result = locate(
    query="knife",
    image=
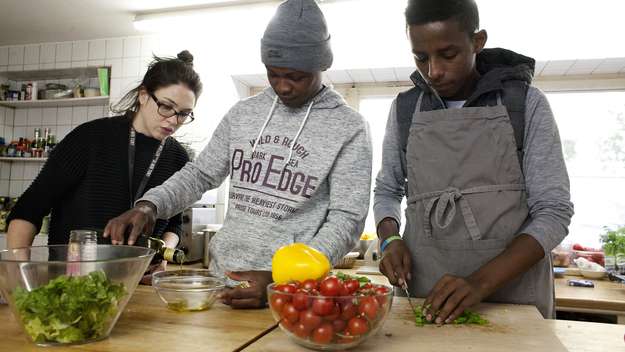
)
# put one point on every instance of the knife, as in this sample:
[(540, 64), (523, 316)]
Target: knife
[(405, 287)]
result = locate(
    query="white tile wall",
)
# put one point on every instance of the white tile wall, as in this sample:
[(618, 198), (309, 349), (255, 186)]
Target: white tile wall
[(79, 115), (80, 51), (132, 47), (16, 55), (48, 53), (35, 117), (31, 55), (64, 116), (4, 56), (128, 58), (63, 52), (114, 48), (97, 49)]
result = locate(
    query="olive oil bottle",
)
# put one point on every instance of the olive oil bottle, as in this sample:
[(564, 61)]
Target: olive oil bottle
[(172, 255)]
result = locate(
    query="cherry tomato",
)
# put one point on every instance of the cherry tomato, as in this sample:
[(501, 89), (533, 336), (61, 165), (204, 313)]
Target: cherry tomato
[(335, 314), (380, 292), (300, 330), (277, 302), (330, 286), (290, 313), (286, 324), (323, 306), (339, 325), (351, 285), (309, 285), (309, 319), (300, 300), (349, 311), (366, 286), (288, 288), (369, 307), (357, 326), (323, 334)]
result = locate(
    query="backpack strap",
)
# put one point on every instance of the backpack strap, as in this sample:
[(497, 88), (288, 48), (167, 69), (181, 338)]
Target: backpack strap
[(514, 97)]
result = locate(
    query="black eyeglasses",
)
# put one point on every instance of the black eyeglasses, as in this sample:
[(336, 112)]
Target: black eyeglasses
[(167, 111)]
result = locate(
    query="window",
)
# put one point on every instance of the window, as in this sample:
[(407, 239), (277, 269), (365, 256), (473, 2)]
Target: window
[(375, 110), (592, 130)]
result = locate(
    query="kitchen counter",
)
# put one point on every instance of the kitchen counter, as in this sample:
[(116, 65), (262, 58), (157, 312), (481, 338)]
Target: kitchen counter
[(605, 298), (513, 328), (146, 325)]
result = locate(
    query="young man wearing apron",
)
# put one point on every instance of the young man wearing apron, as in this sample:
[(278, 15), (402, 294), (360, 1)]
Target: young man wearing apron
[(476, 152)]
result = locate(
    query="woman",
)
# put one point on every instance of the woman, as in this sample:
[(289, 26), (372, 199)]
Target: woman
[(102, 166)]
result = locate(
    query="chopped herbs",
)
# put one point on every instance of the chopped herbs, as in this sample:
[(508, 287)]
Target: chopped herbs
[(467, 317), (69, 308)]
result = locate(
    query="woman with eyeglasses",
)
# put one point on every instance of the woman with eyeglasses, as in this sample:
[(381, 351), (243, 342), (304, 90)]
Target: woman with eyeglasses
[(103, 166)]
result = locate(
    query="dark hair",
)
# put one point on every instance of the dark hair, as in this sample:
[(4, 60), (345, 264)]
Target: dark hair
[(162, 72), (420, 12)]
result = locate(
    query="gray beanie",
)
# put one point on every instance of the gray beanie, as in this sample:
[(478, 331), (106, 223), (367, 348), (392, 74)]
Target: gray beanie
[(297, 38)]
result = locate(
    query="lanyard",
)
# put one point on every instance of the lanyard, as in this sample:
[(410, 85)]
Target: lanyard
[(131, 166)]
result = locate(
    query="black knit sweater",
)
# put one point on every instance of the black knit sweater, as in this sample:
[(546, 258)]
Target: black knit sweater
[(85, 181)]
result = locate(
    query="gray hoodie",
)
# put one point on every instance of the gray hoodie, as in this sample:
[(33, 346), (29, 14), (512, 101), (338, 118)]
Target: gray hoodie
[(320, 197)]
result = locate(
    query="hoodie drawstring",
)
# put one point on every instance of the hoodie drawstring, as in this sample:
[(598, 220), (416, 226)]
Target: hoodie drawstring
[(301, 127), (273, 107)]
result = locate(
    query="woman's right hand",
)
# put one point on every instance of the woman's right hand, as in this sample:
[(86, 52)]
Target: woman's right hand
[(139, 220), (395, 263)]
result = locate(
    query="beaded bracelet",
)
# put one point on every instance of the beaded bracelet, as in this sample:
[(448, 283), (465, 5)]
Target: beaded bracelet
[(387, 241)]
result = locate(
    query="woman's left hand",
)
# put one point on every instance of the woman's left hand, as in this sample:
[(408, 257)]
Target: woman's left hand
[(450, 297), (152, 269), (253, 295)]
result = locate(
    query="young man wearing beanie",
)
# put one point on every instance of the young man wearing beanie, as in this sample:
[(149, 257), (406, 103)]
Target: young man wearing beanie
[(298, 158), (475, 150)]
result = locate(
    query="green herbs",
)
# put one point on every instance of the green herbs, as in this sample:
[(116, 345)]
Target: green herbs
[(467, 317), (69, 308), (362, 280)]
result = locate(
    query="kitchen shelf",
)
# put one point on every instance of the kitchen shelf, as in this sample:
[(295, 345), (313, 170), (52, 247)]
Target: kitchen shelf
[(52, 74), (22, 159), (55, 102)]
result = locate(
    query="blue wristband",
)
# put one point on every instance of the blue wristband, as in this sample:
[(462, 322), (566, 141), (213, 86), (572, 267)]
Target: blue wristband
[(387, 241)]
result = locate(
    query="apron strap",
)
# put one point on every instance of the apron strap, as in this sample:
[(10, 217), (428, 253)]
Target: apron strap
[(445, 202)]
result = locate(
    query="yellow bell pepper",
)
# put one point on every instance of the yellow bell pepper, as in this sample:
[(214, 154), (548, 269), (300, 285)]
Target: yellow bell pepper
[(298, 262)]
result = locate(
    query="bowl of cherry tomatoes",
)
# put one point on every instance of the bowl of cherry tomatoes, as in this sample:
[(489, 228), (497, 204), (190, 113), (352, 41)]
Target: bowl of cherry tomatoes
[(333, 313)]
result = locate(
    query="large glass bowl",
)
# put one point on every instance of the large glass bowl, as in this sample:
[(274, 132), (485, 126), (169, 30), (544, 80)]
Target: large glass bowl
[(187, 290), (60, 299), (329, 323)]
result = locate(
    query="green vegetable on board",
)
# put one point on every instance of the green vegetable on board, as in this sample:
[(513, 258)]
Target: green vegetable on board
[(467, 317), (69, 308)]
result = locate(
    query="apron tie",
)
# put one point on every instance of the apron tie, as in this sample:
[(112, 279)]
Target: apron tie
[(445, 211)]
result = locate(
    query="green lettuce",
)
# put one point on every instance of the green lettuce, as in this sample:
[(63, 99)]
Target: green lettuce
[(69, 308)]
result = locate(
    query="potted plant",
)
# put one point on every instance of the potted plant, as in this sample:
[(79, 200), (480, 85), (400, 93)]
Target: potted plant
[(614, 244)]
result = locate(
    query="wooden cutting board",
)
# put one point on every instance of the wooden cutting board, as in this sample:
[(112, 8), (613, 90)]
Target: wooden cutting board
[(512, 328)]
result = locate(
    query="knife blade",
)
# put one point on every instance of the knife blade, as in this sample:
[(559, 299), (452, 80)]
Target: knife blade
[(405, 287)]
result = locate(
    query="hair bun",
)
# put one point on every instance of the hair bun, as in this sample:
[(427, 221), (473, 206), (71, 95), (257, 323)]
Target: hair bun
[(186, 57)]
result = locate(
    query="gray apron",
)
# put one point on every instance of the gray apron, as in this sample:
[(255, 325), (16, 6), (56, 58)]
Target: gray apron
[(467, 201)]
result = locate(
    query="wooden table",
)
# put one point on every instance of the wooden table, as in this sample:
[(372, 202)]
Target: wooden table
[(605, 298), (513, 327), (147, 325)]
